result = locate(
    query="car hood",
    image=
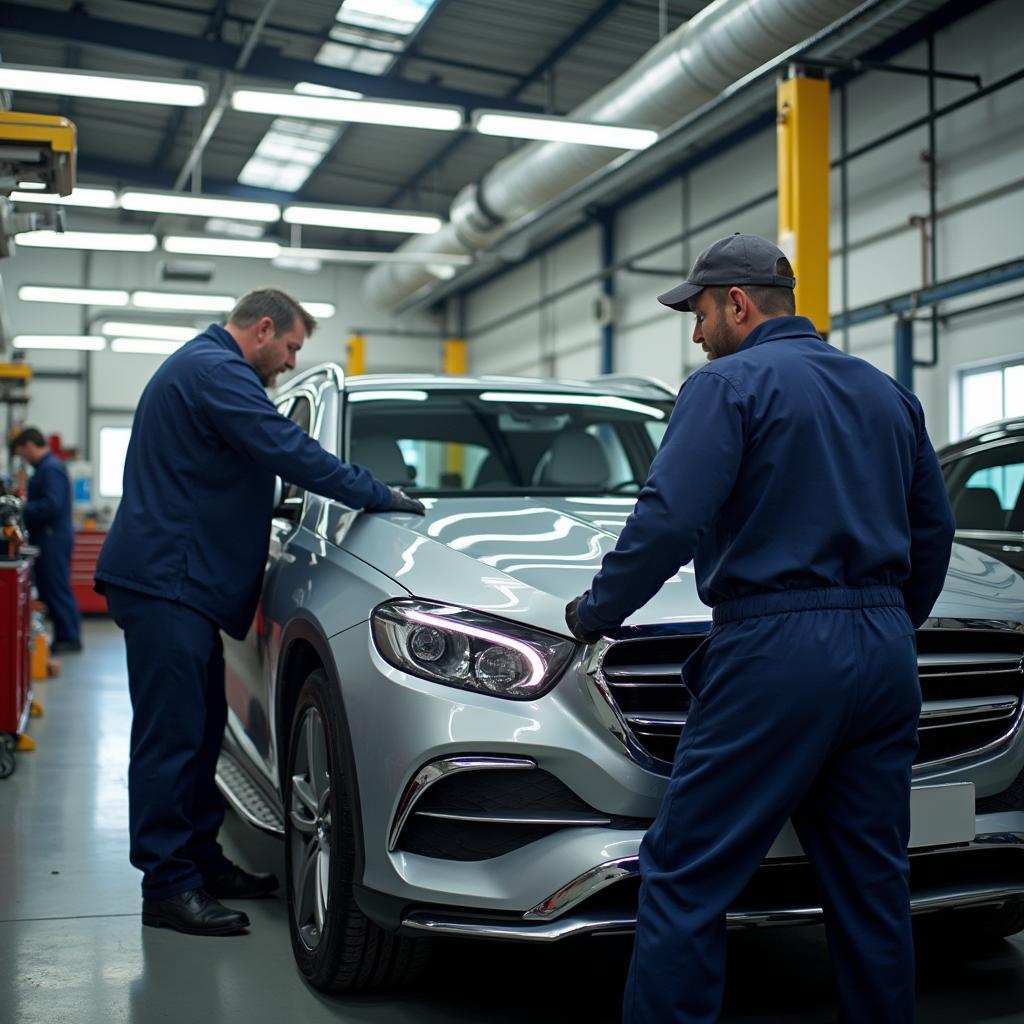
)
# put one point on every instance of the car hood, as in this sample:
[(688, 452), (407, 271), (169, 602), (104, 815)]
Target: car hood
[(525, 558)]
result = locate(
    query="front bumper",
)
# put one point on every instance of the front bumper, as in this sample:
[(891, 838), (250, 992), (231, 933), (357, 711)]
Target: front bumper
[(987, 872)]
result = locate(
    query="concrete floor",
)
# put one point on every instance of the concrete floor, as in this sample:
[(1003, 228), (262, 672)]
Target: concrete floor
[(72, 948)]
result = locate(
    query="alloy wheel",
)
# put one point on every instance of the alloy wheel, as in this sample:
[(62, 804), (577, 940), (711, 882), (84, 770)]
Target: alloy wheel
[(310, 816)]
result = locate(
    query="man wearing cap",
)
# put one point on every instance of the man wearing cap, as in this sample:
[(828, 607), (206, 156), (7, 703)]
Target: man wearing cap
[(802, 484)]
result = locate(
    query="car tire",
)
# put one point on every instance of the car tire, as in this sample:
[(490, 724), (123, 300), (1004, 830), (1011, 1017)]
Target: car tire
[(336, 946)]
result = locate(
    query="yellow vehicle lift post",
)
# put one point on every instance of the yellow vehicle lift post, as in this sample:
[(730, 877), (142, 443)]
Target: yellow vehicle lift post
[(455, 363), (355, 354), (802, 102)]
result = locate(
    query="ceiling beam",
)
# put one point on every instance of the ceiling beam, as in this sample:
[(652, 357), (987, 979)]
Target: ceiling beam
[(266, 61)]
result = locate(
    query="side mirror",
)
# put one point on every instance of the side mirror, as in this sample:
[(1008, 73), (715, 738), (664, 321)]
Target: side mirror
[(286, 506)]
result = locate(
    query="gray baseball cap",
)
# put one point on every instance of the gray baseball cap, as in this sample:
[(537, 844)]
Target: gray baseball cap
[(736, 260)]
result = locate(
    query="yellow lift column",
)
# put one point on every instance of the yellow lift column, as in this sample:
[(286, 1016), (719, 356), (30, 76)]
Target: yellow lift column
[(355, 355), (455, 363), (802, 106)]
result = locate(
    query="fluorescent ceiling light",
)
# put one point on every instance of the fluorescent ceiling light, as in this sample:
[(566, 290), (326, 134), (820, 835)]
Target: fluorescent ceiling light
[(321, 310), (166, 332), (105, 241), (199, 206), (126, 88), (100, 198), (203, 246), (362, 219), (558, 129), (598, 401), (314, 108), (234, 228), (33, 186), (183, 300), (300, 262), (74, 296), (145, 346), (60, 341)]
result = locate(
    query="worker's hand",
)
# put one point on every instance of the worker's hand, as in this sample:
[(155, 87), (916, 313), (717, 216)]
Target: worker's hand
[(572, 620), (402, 502)]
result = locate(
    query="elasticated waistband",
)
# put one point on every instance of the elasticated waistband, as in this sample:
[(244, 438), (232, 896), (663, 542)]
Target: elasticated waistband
[(819, 599)]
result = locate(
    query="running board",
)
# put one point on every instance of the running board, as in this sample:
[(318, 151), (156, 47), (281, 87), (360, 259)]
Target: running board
[(245, 797)]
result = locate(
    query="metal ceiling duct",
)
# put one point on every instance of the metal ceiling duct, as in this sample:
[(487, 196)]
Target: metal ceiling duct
[(689, 67)]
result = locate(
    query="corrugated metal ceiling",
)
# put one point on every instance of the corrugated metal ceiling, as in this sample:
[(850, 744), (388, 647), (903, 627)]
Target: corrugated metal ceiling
[(500, 49)]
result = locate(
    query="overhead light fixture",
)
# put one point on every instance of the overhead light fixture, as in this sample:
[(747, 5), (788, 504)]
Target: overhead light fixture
[(315, 89), (164, 332), (183, 300), (372, 256), (73, 296), (172, 92), (278, 102), (100, 198), (203, 246), (33, 186), (321, 310), (300, 262), (66, 342), (559, 129), (145, 346), (362, 219), (234, 228), (101, 241), (200, 206)]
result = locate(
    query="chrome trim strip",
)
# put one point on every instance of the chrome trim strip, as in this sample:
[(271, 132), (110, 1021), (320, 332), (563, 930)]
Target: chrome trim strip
[(966, 659), (583, 887), (243, 811), (1001, 706), (489, 819), (537, 929), (665, 718), (433, 772)]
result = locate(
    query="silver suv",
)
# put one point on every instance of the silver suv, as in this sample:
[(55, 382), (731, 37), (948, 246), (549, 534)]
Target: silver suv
[(410, 714)]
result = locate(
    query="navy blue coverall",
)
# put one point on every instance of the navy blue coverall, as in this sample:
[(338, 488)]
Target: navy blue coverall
[(184, 559), (48, 520), (802, 483)]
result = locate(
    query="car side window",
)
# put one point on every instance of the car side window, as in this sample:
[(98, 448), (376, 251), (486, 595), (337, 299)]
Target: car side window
[(987, 491), (302, 414)]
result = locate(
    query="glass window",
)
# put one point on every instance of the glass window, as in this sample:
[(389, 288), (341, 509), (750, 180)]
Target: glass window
[(113, 449), (469, 442), (301, 413), (990, 394), (985, 489)]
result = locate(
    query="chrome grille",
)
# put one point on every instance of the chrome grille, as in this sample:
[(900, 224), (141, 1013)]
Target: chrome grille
[(972, 687)]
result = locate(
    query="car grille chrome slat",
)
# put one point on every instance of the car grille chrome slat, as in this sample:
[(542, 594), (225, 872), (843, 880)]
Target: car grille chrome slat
[(971, 680)]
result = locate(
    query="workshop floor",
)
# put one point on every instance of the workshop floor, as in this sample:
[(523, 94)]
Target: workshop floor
[(72, 948)]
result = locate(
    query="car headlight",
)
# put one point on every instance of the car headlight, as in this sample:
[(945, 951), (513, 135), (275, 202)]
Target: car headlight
[(468, 649)]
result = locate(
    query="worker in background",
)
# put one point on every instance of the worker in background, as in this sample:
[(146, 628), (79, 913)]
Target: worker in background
[(184, 559), (802, 484), (48, 521)]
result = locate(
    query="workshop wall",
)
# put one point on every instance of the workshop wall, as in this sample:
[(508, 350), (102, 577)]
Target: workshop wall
[(980, 197), (102, 388)]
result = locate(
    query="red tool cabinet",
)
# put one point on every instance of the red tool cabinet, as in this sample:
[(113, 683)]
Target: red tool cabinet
[(15, 631), (83, 567)]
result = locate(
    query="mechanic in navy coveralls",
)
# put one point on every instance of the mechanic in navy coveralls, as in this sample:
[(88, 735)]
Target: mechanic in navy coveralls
[(48, 520), (185, 559), (802, 484)]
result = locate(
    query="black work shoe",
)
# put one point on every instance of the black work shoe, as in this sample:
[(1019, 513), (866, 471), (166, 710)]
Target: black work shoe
[(65, 647), (194, 912), (239, 884)]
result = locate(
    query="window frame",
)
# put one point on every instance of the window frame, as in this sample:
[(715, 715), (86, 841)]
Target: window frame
[(964, 373)]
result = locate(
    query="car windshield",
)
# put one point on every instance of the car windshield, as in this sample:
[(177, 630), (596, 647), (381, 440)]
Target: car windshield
[(493, 442)]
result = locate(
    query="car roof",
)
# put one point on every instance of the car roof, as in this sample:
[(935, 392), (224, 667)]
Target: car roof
[(999, 430), (612, 384)]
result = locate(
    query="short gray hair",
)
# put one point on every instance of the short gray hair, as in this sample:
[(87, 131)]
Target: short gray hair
[(278, 305)]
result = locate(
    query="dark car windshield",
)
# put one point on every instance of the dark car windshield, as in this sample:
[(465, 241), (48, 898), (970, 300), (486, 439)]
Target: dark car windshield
[(489, 442)]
